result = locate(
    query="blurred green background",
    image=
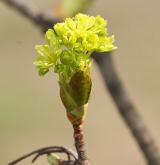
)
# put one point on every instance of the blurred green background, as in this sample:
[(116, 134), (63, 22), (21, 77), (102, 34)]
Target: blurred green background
[(31, 113)]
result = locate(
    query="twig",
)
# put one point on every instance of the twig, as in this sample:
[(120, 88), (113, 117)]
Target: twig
[(44, 21), (113, 83), (47, 151), (80, 146)]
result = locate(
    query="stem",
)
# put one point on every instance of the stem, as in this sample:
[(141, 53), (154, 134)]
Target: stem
[(80, 147)]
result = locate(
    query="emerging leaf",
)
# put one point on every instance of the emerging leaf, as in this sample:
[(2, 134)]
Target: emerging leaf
[(53, 159)]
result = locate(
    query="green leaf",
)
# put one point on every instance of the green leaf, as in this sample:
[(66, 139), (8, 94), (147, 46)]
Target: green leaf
[(80, 87)]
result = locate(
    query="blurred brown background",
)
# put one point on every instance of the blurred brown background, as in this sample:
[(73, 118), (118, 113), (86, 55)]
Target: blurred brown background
[(31, 113)]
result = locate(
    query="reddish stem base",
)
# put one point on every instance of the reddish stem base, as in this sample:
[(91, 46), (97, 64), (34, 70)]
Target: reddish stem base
[(80, 147)]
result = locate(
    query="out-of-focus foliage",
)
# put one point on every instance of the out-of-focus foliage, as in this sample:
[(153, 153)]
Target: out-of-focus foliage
[(68, 8), (71, 7)]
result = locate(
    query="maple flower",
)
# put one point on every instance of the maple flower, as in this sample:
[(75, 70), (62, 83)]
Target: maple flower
[(67, 51)]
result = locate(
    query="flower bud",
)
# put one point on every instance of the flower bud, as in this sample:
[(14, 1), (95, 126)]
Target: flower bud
[(75, 95)]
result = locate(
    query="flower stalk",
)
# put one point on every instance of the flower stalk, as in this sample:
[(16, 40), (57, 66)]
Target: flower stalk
[(80, 146)]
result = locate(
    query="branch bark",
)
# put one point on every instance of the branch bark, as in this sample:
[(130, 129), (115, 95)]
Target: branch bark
[(47, 151), (124, 104), (42, 20), (127, 109)]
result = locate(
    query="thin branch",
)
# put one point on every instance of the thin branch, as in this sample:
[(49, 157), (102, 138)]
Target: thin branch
[(127, 109), (44, 21), (113, 83), (47, 151)]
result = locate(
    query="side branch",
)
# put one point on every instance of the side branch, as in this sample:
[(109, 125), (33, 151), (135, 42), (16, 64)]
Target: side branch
[(44, 21), (127, 109), (48, 151)]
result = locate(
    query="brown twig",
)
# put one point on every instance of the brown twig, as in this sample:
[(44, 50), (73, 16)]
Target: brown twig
[(47, 151), (44, 21), (80, 146), (124, 104)]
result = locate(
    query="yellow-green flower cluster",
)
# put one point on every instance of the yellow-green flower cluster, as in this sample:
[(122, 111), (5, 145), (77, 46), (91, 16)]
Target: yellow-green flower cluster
[(70, 44)]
